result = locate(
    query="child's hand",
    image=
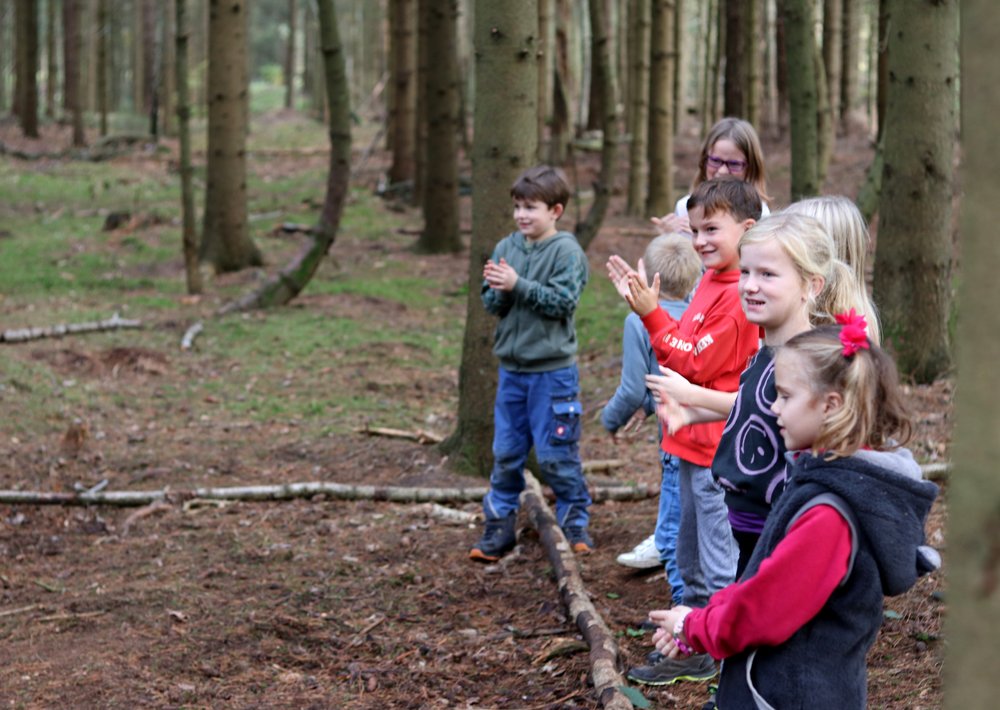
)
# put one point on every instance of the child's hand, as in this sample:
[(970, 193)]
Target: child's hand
[(674, 384), (642, 297), (500, 277), (667, 619), (671, 414), (619, 272), (671, 223)]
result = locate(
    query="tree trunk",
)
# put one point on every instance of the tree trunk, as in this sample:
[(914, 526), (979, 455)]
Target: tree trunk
[(71, 68), (754, 86), (293, 11), (137, 57), (102, 64), (781, 60), (226, 239), (640, 19), (293, 278), (52, 64), (736, 30), (913, 254), (441, 216), (92, 33), (833, 17), (404, 115), (168, 83), (189, 233), (561, 131), (505, 133), (420, 124), (661, 104), (680, 63), (148, 54), (604, 71), (973, 495), (717, 61), (850, 47), (871, 190), (307, 50), (802, 97), (27, 86), (824, 122), (4, 44), (546, 67), (883, 62)]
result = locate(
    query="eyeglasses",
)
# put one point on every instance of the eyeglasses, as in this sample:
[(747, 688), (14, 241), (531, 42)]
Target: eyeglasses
[(735, 166)]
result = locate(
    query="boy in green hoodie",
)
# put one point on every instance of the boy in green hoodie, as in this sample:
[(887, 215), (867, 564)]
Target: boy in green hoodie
[(533, 282)]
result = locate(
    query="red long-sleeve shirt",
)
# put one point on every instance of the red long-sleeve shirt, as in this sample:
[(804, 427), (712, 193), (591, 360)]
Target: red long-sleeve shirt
[(788, 590), (710, 346)]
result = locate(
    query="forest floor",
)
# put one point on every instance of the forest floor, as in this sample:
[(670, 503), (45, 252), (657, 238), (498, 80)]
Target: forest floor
[(310, 603)]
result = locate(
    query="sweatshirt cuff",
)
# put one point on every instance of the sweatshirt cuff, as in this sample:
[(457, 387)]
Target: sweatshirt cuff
[(656, 321), (522, 287)]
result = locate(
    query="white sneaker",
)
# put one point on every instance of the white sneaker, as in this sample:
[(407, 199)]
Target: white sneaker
[(644, 556)]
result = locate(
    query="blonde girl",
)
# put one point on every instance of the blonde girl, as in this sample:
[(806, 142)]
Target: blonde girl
[(849, 528)]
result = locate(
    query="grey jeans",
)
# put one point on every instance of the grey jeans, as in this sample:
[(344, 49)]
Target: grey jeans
[(706, 550)]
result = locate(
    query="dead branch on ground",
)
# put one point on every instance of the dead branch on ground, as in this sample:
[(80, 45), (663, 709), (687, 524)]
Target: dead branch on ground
[(57, 331), (419, 435), (190, 334)]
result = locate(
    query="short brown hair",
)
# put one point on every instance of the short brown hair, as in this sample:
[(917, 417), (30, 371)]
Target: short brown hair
[(673, 257), (543, 183), (727, 194)]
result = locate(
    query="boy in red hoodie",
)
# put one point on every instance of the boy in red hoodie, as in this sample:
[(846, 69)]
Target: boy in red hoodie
[(711, 345)]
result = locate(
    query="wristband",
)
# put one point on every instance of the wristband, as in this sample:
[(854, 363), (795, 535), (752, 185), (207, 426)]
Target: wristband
[(678, 630)]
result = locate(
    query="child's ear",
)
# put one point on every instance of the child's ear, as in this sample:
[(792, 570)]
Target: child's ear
[(816, 284), (832, 402), (747, 223), (557, 210)]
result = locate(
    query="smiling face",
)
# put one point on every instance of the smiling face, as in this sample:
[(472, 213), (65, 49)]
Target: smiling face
[(800, 411), (535, 219), (715, 237), (725, 150), (772, 291)]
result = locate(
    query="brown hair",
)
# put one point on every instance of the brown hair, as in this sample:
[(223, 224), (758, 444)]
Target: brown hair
[(673, 257), (745, 138), (542, 183), (729, 194), (874, 413)]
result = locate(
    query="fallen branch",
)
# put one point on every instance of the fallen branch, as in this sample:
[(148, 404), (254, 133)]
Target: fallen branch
[(605, 660), (20, 610), (419, 435), (155, 507), (603, 464), (936, 471), (66, 617), (188, 340), (57, 331)]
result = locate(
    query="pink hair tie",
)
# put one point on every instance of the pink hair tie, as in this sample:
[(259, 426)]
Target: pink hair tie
[(854, 334)]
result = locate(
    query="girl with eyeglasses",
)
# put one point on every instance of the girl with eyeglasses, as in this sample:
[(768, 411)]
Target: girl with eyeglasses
[(732, 147)]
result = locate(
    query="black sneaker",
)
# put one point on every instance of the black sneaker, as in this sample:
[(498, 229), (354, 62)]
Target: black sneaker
[(578, 538), (698, 667), (498, 538), (654, 657)]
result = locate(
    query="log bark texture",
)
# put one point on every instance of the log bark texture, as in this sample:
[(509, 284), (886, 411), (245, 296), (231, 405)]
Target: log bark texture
[(57, 331)]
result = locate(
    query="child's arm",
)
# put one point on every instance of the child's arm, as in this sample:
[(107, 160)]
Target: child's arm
[(713, 354), (790, 588), (559, 295), (496, 300), (631, 393), (691, 395)]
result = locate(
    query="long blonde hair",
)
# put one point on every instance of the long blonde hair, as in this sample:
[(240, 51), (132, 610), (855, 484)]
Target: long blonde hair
[(743, 135), (842, 219), (813, 253)]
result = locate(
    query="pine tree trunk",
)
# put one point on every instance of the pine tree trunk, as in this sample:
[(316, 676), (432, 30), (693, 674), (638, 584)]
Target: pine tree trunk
[(293, 12), (680, 62), (71, 68), (4, 45), (824, 122), (102, 64), (137, 57), (802, 97), (561, 131), (441, 215), (781, 72), (148, 54), (420, 123), (546, 67), (914, 249), (850, 48), (973, 497), (307, 50), (883, 62), (751, 44), (833, 17), (717, 61), (27, 42), (92, 35), (168, 83), (604, 70), (403, 120), (661, 104), (226, 239), (52, 64), (736, 29), (505, 133), (640, 19), (189, 231)]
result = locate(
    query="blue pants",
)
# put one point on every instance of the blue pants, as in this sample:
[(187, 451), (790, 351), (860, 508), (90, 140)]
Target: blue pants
[(668, 521), (540, 409)]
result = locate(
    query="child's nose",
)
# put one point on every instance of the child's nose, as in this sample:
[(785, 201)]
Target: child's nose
[(723, 170)]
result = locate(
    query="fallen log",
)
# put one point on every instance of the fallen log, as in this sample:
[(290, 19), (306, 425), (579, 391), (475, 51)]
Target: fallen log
[(936, 471), (603, 464), (190, 334), (57, 331), (420, 436), (605, 659)]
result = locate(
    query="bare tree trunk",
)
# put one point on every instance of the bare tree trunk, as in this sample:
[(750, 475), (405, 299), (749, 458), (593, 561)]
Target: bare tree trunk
[(754, 89), (71, 68), (190, 234), (92, 34), (913, 254), (561, 133), (546, 67), (505, 133), (781, 74), (4, 44), (27, 42), (148, 54), (850, 47), (307, 50), (168, 83), (680, 62), (883, 62), (293, 12), (137, 57), (973, 497), (707, 87), (52, 63), (802, 97), (833, 61), (102, 64), (717, 66), (403, 120), (420, 125), (640, 19), (441, 215), (661, 123), (871, 190), (226, 239), (736, 29), (824, 122), (294, 277), (604, 70)]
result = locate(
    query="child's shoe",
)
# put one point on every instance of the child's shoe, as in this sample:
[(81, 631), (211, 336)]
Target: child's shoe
[(643, 556), (700, 666), (578, 538), (498, 538)]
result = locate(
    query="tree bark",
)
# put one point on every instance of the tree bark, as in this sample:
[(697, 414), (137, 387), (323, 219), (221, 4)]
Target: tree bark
[(802, 97), (148, 9), (680, 63), (420, 123), (717, 61), (403, 121), (27, 43), (505, 133), (661, 104), (168, 83), (92, 33), (561, 131), (781, 71), (546, 67), (293, 12), (849, 55), (913, 254), (71, 68), (137, 57), (604, 70), (4, 44), (833, 61), (226, 239), (441, 217), (871, 190), (736, 30), (52, 63), (973, 495), (641, 20), (189, 231), (824, 122), (752, 61), (293, 278), (883, 62), (102, 64)]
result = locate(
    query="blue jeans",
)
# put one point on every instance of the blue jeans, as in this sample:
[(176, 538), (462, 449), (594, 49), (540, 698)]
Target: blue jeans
[(540, 409), (668, 521)]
